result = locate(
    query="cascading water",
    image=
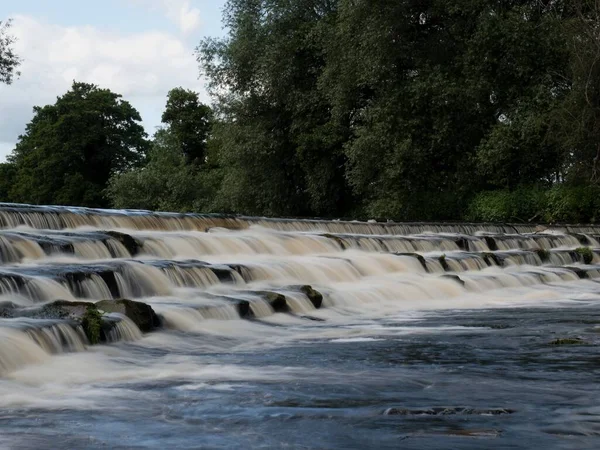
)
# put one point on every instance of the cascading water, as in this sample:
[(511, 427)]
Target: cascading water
[(228, 285)]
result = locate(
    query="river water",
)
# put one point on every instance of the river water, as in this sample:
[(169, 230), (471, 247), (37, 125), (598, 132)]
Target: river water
[(428, 335)]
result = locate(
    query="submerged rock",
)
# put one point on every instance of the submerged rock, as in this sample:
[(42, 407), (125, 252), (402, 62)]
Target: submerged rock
[(141, 314), (568, 341), (454, 277), (447, 411)]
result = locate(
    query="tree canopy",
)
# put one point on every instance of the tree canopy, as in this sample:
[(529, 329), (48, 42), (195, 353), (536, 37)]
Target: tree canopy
[(9, 61), (71, 148), (410, 110)]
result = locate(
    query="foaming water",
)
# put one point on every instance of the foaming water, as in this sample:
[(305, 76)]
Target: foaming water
[(367, 334)]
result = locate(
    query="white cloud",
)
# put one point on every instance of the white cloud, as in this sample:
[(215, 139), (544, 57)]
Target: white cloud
[(142, 67), (180, 12)]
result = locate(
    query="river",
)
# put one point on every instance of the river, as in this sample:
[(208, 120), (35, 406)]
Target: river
[(416, 336)]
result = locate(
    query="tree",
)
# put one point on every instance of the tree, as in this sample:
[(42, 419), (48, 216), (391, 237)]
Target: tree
[(71, 148), (281, 152), (167, 182), (9, 61), (189, 122)]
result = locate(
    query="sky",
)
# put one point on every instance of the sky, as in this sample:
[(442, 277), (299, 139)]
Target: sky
[(138, 48)]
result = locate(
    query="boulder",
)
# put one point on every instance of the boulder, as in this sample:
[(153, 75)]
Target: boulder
[(276, 300), (140, 313), (59, 309), (315, 297)]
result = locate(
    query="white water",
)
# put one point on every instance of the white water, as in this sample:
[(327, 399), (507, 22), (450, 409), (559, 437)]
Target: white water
[(201, 274)]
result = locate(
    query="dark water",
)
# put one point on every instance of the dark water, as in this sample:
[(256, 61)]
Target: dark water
[(428, 336), (453, 379)]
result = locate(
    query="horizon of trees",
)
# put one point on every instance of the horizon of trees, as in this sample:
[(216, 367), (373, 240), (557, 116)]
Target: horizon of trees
[(414, 110)]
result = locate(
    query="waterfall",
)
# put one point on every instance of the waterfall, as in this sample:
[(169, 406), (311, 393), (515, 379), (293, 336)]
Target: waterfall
[(195, 269)]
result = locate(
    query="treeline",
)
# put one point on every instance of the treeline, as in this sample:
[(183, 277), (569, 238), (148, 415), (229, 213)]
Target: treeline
[(410, 110)]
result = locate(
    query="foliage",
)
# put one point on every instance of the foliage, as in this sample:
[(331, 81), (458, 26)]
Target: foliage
[(9, 61), (189, 122), (166, 182), (71, 148), (559, 204), (7, 175), (399, 110), (586, 254), (92, 324)]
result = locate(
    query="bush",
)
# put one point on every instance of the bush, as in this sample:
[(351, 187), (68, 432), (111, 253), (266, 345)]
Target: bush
[(562, 204)]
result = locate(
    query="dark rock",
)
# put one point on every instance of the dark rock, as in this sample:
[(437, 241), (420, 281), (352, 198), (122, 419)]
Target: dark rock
[(315, 297), (91, 323), (313, 318), (586, 254), (568, 341), (337, 239), (446, 411), (416, 255), (7, 309), (140, 313), (491, 243), (128, 241), (493, 259), (444, 263), (455, 278), (543, 254), (276, 300)]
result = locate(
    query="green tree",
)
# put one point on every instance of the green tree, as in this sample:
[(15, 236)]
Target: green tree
[(7, 177), (281, 152), (71, 148), (9, 61), (167, 182), (189, 122)]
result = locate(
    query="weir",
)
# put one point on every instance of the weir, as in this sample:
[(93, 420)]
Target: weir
[(194, 269)]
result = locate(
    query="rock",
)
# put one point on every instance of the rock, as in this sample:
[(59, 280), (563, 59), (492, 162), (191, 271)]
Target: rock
[(420, 258), (586, 254), (7, 309), (91, 323), (128, 241), (568, 341), (315, 297), (455, 278), (140, 313), (59, 309), (543, 254), (444, 263), (276, 300), (447, 411)]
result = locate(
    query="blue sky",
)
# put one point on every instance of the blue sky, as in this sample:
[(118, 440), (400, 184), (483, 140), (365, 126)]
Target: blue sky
[(138, 48)]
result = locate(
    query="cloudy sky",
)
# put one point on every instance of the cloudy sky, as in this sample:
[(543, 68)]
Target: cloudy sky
[(138, 48)]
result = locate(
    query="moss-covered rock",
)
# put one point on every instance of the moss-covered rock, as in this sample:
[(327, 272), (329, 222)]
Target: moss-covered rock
[(140, 313), (92, 324), (444, 263), (586, 254)]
